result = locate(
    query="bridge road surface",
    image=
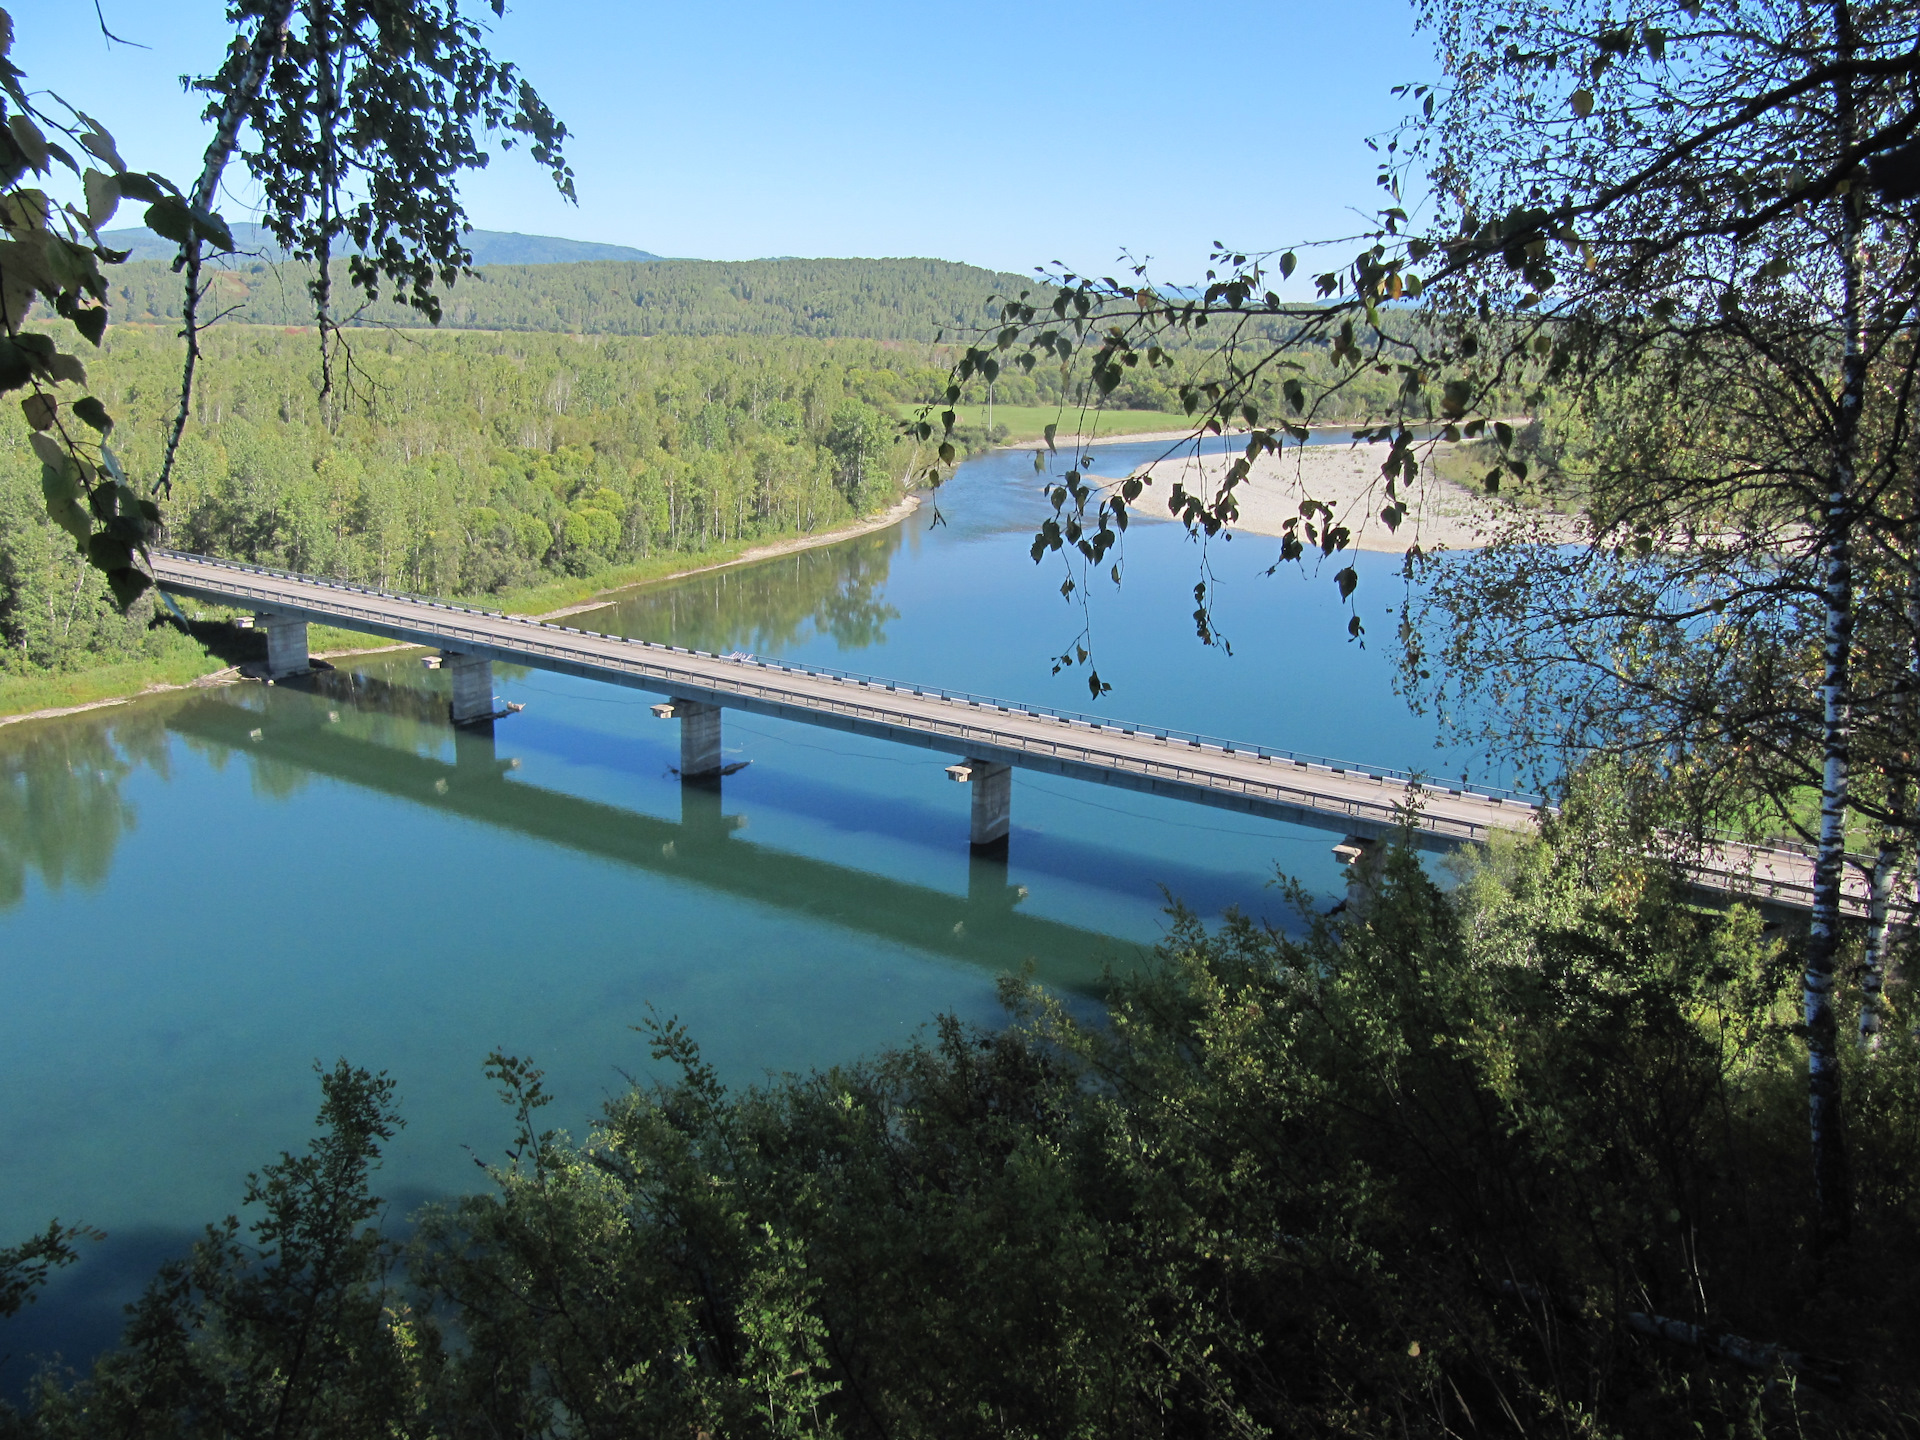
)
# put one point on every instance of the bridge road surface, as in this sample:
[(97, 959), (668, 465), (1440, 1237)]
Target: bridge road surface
[(1364, 801)]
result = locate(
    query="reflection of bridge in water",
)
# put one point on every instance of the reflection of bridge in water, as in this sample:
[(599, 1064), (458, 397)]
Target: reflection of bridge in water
[(990, 737), (983, 927)]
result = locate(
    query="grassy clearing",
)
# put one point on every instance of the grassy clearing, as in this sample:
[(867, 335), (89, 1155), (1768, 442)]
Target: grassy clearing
[(181, 663), (560, 593), (1029, 422)]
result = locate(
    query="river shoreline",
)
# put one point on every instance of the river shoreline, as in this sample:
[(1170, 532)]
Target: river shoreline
[(888, 518)]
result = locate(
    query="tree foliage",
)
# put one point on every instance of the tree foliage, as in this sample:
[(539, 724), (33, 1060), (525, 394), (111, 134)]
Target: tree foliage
[(1684, 233), (491, 463)]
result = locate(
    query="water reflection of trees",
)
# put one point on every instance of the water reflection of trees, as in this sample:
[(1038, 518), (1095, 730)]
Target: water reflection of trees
[(767, 608), (62, 815)]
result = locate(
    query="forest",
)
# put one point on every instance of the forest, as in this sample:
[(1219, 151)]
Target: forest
[(825, 299), (475, 464)]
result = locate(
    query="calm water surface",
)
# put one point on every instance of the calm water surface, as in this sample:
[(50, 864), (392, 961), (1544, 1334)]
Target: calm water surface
[(202, 896)]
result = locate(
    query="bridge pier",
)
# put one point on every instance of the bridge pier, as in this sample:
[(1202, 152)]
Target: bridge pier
[(1362, 856), (472, 686), (992, 803), (286, 644), (699, 736)]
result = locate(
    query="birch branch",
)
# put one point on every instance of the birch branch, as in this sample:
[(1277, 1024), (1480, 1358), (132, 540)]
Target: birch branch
[(226, 136)]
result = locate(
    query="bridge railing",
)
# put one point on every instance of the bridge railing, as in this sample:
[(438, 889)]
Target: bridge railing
[(1173, 735)]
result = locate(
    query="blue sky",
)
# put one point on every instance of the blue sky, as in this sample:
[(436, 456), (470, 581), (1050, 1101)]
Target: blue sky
[(1001, 134)]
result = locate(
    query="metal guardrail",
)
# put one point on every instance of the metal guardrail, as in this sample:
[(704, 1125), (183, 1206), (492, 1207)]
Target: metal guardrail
[(1171, 734)]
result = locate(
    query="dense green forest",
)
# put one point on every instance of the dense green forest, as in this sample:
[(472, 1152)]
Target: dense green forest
[(473, 464), (824, 299), (894, 300)]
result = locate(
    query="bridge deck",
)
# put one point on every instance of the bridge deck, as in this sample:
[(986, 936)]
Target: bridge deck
[(1255, 780)]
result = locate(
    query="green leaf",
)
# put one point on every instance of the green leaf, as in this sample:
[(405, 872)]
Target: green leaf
[(1582, 102), (70, 517), (135, 186), (39, 410), (170, 219), (16, 366), (127, 584), (60, 482), (50, 450), (89, 320), (94, 413), (1287, 262), (103, 197), (99, 142), (1348, 580), (32, 144), (1050, 432), (107, 553)]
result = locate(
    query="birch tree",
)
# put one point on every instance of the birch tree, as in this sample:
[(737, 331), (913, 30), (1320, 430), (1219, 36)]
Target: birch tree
[(1704, 208), (355, 117)]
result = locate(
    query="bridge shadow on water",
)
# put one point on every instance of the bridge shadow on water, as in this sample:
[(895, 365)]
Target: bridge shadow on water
[(1206, 891), (395, 740), (291, 736)]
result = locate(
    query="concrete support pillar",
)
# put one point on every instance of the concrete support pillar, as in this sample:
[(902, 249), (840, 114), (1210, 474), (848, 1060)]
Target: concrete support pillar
[(992, 803), (1362, 857), (286, 644), (472, 686), (699, 736)]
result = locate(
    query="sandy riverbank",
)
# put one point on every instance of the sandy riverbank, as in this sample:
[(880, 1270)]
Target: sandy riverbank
[(1344, 477), (884, 520)]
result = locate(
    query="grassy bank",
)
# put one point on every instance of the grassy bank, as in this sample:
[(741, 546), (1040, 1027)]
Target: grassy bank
[(181, 662), (179, 659), (1025, 423)]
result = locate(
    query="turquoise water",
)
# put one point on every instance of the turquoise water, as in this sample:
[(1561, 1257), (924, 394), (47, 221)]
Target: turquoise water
[(203, 896)]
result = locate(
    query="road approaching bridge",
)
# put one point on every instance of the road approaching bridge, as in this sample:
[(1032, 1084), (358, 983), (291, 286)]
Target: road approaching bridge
[(1363, 803)]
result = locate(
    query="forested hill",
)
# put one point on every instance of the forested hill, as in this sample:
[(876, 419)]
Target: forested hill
[(865, 299), (489, 247)]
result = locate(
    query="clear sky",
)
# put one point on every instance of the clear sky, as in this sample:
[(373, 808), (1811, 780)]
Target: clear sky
[(1003, 134)]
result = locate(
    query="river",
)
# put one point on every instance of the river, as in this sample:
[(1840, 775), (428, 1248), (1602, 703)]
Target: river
[(202, 895)]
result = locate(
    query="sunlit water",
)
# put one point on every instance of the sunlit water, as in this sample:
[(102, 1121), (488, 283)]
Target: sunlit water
[(202, 896)]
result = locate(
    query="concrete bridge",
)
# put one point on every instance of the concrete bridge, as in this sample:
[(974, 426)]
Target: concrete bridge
[(989, 738)]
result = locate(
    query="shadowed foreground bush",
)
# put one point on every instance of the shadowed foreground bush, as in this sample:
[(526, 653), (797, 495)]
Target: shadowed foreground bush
[(1440, 1171)]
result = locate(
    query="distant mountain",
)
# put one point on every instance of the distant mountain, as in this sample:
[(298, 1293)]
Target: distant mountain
[(490, 247)]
